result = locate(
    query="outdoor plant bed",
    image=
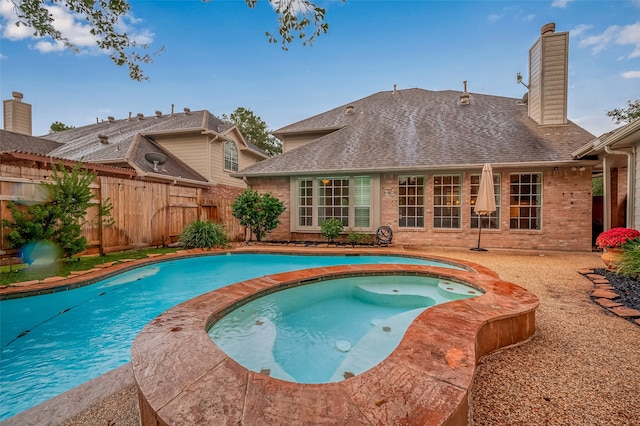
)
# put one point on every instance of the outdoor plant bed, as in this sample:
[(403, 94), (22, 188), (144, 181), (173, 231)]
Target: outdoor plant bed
[(626, 288)]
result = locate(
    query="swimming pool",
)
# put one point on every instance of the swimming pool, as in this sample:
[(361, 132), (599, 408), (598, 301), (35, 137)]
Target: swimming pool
[(330, 330), (54, 342)]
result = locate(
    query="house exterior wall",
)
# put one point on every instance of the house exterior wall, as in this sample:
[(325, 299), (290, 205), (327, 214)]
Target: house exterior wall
[(548, 79), (207, 158), (566, 214), (636, 191)]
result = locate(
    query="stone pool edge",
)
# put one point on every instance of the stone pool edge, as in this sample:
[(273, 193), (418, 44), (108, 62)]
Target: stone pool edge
[(184, 378)]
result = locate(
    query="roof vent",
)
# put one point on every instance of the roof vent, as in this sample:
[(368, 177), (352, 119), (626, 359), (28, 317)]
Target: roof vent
[(187, 111), (139, 116), (549, 28), (349, 109), (129, 119), (104, 139), (158, 114), (465, 98), (395, 90), (111, 119)]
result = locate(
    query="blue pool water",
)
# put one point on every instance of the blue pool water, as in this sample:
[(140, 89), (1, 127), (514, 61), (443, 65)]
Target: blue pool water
[(330, 330), (54, 342)]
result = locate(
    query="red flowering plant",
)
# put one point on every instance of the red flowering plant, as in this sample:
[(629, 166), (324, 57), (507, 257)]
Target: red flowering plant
[(616, 237)]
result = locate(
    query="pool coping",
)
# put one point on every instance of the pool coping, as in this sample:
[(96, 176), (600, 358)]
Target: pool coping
[(184, 378)]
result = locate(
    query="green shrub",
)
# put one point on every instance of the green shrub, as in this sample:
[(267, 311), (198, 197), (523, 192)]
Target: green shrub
[(331, 228), (628, 264), (354, 237), (203, 234)]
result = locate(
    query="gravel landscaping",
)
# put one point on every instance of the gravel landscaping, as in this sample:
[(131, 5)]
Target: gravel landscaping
[(580, 368)]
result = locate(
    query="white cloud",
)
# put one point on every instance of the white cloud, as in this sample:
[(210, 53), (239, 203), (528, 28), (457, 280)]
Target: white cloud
[(560, 3), (531, 17), (494, 17), (601, 41), (630, 34), (581, 29), (631, 74), (627, 35)]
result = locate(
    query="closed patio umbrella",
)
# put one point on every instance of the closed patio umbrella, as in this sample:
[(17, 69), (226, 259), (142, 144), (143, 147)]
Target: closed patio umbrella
[(486, 199)]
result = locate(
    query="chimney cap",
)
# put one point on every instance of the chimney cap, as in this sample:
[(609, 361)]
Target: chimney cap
[(549, 28), (17, 96)]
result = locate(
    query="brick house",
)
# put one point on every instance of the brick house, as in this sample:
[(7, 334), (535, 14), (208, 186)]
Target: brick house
[(411, 160)]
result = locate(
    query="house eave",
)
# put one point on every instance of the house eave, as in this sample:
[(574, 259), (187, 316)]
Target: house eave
[(422, 169)]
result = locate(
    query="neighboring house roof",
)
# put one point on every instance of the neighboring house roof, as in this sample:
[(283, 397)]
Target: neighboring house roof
[(422, 129), (11, 141), (83, 142)]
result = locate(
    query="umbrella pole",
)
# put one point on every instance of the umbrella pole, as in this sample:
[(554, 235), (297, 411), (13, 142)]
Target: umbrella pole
[(479, 232)]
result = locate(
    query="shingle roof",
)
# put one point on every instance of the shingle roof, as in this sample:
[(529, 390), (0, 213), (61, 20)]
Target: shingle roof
[(83, 142), (422, 129), (11, 141)]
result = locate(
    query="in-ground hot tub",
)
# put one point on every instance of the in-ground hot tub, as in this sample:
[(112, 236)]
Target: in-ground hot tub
[(183, 377)]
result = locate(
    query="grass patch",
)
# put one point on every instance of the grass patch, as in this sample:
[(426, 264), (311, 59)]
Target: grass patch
[(21, 272)]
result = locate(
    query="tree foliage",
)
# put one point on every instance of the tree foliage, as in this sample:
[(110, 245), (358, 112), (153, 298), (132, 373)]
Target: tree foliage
[(257, 212), (254, 129), (297, 19), (57, 126), (59, 218), (626, 115)]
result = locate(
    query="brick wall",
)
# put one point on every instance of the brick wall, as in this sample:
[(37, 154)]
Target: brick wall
[(566, 215)]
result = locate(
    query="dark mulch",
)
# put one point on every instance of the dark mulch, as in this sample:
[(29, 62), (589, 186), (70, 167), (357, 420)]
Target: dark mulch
[(627, 288)]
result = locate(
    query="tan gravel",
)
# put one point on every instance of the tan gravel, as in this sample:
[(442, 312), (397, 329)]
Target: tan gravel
[(581, 368)]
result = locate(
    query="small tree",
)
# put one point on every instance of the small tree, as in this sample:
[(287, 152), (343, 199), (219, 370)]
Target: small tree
[(57, 126), (254, 129), (257, 212), (331, 228), (60, 217)]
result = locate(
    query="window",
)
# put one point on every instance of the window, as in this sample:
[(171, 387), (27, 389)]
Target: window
[(446, 201), (411, 201), (305, 202), (316, 199), (333, 200), (230, 156), (525, 200), (493, 221), (362, 201)]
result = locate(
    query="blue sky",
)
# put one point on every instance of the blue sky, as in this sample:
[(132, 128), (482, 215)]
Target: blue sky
[(216, 57)]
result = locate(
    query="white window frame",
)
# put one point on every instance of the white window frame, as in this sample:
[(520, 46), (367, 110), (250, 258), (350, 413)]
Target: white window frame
[(443, 202), (404, 206), (230, 152), (525, 201)]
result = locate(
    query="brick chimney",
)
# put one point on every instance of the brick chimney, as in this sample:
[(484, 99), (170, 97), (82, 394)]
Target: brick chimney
[(17, 115), (548, 77)]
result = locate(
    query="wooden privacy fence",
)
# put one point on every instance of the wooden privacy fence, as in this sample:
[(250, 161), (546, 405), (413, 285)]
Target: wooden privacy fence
[(144, 213)]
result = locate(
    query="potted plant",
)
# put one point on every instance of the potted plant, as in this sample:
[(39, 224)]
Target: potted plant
[(611, 242)]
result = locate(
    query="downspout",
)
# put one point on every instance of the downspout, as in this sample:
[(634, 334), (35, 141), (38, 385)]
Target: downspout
[(607, 200)]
